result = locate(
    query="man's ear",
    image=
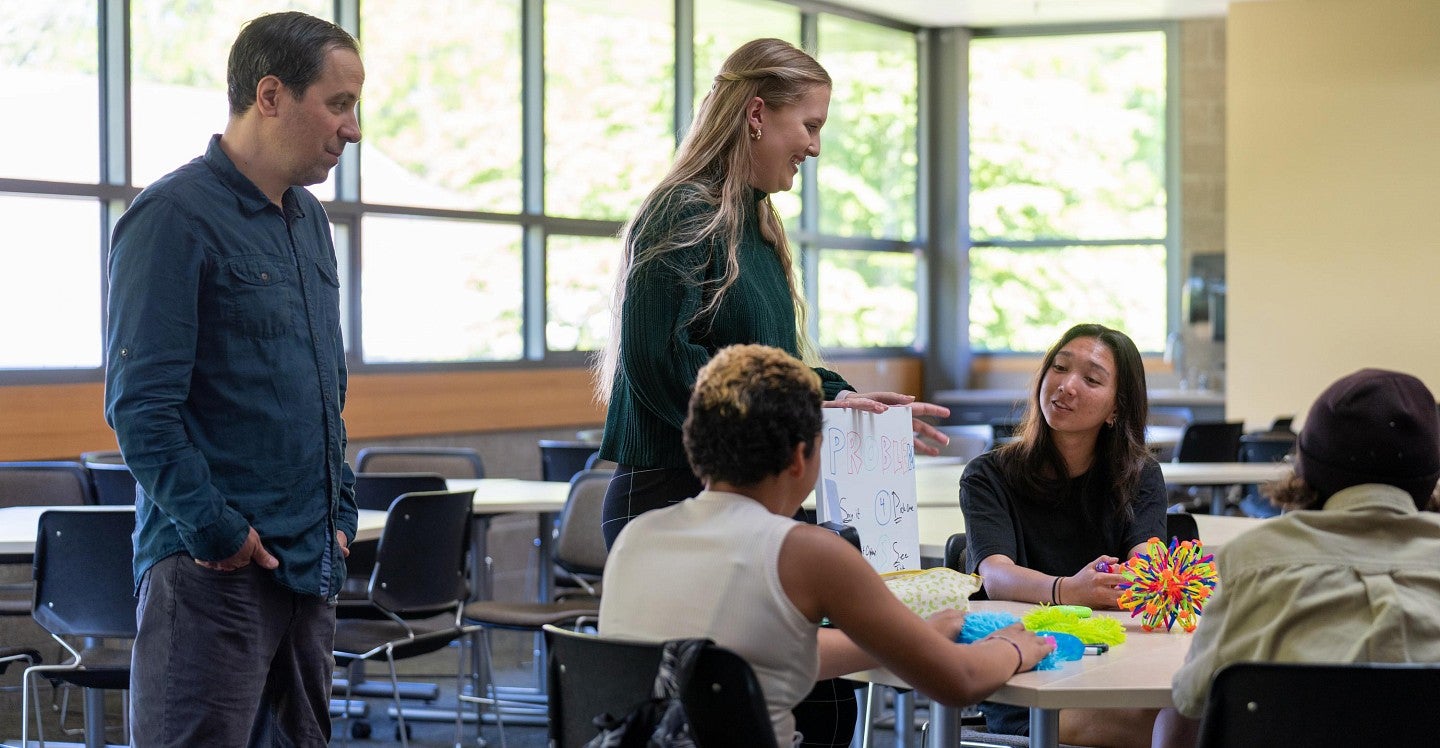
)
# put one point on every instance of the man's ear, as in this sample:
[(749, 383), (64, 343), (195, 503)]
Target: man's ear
[(267, 95)]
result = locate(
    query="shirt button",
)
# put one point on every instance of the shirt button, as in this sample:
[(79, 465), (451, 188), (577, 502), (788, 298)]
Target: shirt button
[(124, 353), (265, 277)]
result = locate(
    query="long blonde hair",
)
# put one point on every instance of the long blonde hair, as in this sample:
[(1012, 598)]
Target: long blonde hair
[(710, 183)]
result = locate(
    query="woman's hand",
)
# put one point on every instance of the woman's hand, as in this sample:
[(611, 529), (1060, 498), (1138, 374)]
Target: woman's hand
[(1032, 648), (948, 623), (1092, 587), (879, 402)]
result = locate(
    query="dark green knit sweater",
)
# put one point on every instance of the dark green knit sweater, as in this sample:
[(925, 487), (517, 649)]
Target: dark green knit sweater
[(662, 350)]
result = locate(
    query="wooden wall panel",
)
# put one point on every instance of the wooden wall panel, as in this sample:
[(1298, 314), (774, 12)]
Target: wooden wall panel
[(61, 421)]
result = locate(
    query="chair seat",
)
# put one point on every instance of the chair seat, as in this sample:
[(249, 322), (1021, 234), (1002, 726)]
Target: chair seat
[(101, 667), (530, 615), (356, 637), (15, 654)]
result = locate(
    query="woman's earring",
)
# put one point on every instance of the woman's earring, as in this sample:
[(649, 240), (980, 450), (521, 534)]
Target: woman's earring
[(755, 135)]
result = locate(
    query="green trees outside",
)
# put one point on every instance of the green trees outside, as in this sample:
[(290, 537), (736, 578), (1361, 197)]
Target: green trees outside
[(1067, 139)]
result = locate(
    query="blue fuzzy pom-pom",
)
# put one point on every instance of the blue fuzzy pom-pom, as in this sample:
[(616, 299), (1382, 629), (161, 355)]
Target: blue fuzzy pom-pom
[(980, 624)]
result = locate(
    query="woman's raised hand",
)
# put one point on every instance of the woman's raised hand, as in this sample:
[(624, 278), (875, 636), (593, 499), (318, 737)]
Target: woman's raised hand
[(879, 402)]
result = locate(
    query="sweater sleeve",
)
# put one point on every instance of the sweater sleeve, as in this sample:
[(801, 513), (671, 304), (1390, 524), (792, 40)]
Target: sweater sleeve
[(832, 383)]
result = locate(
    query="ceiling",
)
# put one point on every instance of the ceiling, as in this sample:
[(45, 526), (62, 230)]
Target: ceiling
[(993, 13)]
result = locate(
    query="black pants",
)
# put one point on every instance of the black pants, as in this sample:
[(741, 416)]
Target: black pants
[(229, 659), (827, 716)]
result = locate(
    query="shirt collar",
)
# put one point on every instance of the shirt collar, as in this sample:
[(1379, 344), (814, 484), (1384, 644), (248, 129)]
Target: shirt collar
[(251, 198), (1371, 497)]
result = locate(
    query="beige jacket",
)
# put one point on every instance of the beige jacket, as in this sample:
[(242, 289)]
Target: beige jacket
[(1357, 581)]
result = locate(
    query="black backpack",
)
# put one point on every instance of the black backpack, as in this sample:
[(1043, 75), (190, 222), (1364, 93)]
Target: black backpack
[(659, 721)]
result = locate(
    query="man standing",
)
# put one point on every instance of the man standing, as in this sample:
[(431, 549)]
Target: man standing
[(225, 380)]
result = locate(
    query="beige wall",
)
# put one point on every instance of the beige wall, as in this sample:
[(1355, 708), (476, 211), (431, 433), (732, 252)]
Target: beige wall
[(1333, 204)]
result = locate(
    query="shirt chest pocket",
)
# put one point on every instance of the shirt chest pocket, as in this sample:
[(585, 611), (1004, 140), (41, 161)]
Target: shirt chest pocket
[(258, 297)]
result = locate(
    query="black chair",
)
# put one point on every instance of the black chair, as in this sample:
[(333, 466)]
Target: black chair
[(580, 554), (1205, 441), (44, 484), (38, 484), (379, 490), (376, 491), (590, 676), (560, 459), (1181, 525), (418, 589), (1268, 446), (114, 484), (1003, 430), (955, 552), (1283, 425), (1264, 704), (84, 590), (451, 462)]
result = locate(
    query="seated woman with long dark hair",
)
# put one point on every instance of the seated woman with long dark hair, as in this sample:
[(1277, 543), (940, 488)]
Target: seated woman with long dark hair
[(1076, 491)]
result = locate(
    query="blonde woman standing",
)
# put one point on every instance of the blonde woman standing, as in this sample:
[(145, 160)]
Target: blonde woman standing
[(707, 265)]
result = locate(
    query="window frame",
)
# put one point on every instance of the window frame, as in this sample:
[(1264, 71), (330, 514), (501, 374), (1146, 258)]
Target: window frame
[(115, 191), (1172, 241)]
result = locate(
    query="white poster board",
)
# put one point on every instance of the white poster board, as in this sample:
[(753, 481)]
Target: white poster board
[(867, 481)]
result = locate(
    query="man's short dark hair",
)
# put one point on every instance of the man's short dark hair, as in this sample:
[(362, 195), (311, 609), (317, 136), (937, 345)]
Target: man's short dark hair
[(291, 46), (751, 405)]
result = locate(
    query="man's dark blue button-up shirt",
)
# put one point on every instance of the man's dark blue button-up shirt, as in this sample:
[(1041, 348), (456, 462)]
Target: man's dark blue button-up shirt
[(225, 373)]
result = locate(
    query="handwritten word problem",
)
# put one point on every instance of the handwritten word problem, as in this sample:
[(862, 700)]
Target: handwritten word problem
[(855, 453)]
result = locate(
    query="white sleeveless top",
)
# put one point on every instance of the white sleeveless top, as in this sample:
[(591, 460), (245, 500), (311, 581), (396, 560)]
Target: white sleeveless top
[(707, 567)]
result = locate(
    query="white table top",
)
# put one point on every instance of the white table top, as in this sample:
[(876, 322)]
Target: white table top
[(507, 495), (492, 496), (1134, 674)]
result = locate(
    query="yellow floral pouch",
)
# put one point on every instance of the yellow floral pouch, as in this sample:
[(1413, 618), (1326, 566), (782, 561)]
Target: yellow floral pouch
[(927, 591)]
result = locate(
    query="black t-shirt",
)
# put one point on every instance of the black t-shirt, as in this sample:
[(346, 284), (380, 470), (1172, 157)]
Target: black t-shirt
[(1055, 534)]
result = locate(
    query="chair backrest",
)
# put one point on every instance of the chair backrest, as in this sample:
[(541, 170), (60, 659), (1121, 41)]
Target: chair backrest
[(1270, 703), (1270, 446), (955, 552), (1002, 429), (420, 564), (1203, 441), (451, 462), (84, 578), (590, 676), (967, 442), (1182, 526), (580, 544), (560, 460), (1283, 424), (44, 484), (113, 483), (379, 490)]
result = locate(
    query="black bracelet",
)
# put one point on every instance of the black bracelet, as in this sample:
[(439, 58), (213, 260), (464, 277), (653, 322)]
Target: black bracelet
[(1019, 665), (1054, 589)]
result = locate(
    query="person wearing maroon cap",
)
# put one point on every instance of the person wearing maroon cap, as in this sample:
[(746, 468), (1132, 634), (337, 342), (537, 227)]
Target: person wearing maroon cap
[(1352, 572)]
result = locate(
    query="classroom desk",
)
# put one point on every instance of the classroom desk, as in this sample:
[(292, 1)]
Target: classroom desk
[(1135, 674), (495, 496), (937, 482)]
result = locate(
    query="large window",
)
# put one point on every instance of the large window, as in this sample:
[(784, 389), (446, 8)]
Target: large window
[(1068, 199), (867, 180), (504, 144)]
